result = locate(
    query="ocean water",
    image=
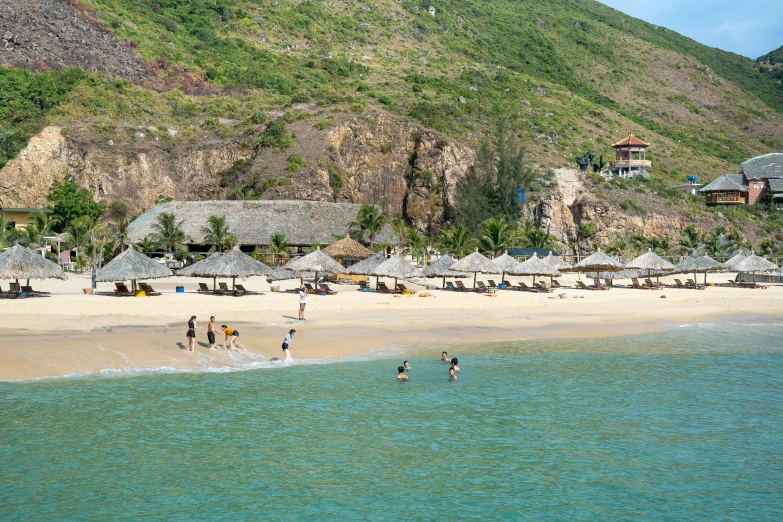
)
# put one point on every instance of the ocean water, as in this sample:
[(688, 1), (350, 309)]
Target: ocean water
[(681, 425)]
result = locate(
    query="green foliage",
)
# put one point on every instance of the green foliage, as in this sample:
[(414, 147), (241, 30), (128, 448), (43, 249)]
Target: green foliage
[(413, 242), (68, 201), (79, 231), (7, 232), (369, 223), (217, 234), (586, 230), (457, 240), (275, 137), (632, 207), (117, 210), (335, 179), (690, 240), (277, 243), (295, 162), (168, 233), (325, 123), (495, 236)]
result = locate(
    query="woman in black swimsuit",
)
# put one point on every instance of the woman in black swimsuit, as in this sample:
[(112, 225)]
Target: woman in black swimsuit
[(192, 334)]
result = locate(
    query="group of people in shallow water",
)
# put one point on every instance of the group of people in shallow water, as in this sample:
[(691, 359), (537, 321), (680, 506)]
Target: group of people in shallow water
[(231, 337), (453, 368)]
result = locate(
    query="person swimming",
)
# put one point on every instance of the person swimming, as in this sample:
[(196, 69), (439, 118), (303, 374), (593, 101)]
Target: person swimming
[(191, 335), (445, 357), (287, 344), (452, 374), (401, 374), (231, 336), (454, 363), (406, 365)]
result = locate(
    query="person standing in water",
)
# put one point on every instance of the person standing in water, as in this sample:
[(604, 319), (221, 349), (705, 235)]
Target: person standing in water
[(191, 335), (287, 345), (401, 374), (211, 332), (302, 301), (231, 336), (454, 363), (452, 374), (445, 357), (406, 366)]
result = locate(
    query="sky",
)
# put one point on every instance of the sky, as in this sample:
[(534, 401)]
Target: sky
[(751, 28)]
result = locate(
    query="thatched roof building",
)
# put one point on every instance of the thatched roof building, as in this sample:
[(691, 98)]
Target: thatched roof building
[(303, 223), (19, 262), (348, 247), (130, 266)]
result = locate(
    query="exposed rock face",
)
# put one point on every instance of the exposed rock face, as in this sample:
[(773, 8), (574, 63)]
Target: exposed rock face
[(49, 34)]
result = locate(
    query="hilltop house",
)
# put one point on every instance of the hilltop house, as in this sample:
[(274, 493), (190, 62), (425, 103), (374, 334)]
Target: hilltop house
[(303, 223), (19, 218), (761, 177), (629, 158)]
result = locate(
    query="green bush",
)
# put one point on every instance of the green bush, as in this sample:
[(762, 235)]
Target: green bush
[(275, 137), (295, 162)]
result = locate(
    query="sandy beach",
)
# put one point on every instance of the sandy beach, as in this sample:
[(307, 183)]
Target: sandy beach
[(71, 333)]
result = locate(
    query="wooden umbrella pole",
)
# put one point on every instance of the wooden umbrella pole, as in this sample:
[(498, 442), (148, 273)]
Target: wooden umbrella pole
[(234, 283), (475, 274), (214, 283), (444, 283)]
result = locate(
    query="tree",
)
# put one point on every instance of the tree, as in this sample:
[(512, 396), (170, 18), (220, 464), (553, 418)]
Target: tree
[(68, 201), (766, 247), (618, 246), (7, 233), (118, 210), (496, 236), (121, 234), (44, 222), (415, 243), (217, 234), (689, 240), (147, 244), (169, 234), (78, 232), (457, 240), (277, 244), (369, 222), (539, 238)]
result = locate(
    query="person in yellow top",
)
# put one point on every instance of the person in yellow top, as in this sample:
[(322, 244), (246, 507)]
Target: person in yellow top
[(231, 336)]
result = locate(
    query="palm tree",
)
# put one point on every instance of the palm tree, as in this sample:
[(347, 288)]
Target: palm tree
[(496, 235), (369, 222), (689, 242), (121, 234), (147, 245), (618, 246), (216, 233), (169, 234), (457, 240), (7, 233), (79, 231), (538, 238), (44, 222), (766, 247), (663, 246), (31, 235), (415, 243), (277, 243)]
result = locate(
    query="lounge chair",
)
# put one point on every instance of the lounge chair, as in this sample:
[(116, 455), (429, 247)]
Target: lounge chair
[(223, 289), (491, 284), (310, 288), (580, 285), (202, 287), (509, 286), (148, 290), (449, 284), (635, 284), (542, 286), (122, 290), (522, 286), (461, 287), (245, 291), (382, 288), (693, 284), (325, 288), (598, 286), (29, 290), (481, 287), (15, 288), (652, 284), (556, 284), (363, 285)]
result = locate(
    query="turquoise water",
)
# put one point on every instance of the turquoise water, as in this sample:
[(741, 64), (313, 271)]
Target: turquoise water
[(655, 427)]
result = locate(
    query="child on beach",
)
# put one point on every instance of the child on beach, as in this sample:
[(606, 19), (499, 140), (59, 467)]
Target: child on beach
[(454, 363), (211, 333), (445, 357), (401, 374), (452, 375), (406, 366), (287, 344), (231, 336), (191, 335)]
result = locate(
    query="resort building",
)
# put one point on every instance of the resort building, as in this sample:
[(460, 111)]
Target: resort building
[(629, 158), (761, 178), (303, 223), (19, 218)]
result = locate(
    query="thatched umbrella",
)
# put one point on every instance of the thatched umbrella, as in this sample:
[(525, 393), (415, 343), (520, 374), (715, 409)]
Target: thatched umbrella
[(19, 262), (132, 265), (731, 263), (475, 263), (698, 264), (556, 262), (536, 266), (753, 264), (650, 262), (316, 261), (348, 247), (366, 267), (507, 265), (398, 268), (233, 264), (441, 268), (598, 262)]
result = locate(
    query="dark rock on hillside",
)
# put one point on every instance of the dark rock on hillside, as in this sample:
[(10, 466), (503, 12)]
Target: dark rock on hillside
[(51, 34)]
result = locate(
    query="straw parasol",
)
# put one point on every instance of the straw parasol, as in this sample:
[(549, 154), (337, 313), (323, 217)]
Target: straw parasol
[(441, 268), (536, 266), (19, 262), (698, 264), (132, 265), (316, 261), (281, 274), (507, 265), (398, 268), (475, 263), (598, 262), (232, 264), (366, 267), (652, 263), (556, 262), (731, 263), (753, 264), (348, 247)]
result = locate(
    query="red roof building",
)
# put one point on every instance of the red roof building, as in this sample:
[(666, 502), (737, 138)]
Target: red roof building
[(629, 157)]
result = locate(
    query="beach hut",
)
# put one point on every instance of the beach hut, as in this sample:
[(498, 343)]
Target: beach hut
[(556, 262), (347, 248), (651, 263), (753, 264), (317, 262), (366, 267), (507, 264), (441, 268), (696, 264), (19, 262), (398, 268), (132, 265), (598, 262), (535, 266), (732, 263), (475, 263), (232, 264)]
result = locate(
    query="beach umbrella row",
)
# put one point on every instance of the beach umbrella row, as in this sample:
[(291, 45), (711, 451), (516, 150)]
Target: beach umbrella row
[(232, 264)]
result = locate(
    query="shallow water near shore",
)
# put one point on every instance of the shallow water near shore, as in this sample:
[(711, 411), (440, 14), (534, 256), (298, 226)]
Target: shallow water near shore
[(675, 425)]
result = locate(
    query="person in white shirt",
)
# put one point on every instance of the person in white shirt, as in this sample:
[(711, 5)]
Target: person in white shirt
[(287, 344), (302, 301)]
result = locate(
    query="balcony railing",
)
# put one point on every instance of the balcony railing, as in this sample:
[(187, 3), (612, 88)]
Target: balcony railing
[(625, 164)]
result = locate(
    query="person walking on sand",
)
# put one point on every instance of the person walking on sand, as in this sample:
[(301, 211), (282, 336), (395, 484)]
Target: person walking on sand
[(192, 334), (231, 336), (302, 301), (287, 345), (211, 332), (401, 374)]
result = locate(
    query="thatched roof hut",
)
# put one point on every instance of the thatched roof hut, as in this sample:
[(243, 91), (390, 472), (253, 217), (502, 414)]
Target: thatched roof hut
[(556, 262), (19, 262), (697, 264), (442, 268), (598, 262), (732, 263), (398, 268), (304, 223), (650, 261), (348, 247), (535, 266), (281, 274), (475, 263), (232, 264), (367, 266), (753, 264), (132, 265), (507, 265)]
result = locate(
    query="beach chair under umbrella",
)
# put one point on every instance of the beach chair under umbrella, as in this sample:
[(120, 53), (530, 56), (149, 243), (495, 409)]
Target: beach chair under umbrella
[(19, 262), (651, 263), (696, 264), (535, 266), (232, 264), (442, 268), (366, 266), (398, 268), (507, 265), (753, 264), (132, 265), (598, 262), (475, 263), (316, 261)]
